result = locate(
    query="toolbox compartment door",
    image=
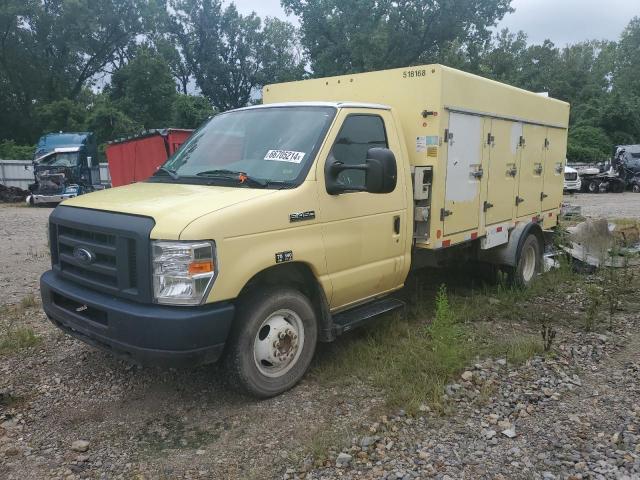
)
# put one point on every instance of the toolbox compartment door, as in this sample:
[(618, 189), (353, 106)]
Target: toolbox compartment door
[(464, 173), (531, 170), (555, 156), (502, 171)]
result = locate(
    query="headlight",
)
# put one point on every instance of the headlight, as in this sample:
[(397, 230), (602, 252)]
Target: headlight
[(182, 271)]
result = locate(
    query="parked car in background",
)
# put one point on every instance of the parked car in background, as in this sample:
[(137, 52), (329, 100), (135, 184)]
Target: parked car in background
[(572, 182)]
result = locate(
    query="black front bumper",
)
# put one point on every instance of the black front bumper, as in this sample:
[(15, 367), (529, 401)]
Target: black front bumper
[(149, 334)]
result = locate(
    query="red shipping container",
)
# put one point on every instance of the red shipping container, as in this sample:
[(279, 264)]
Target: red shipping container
[(137, 158)]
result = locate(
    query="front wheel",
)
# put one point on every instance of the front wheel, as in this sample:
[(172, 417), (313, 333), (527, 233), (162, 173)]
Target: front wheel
[(529, 262), (636, 188), (273, 341), (593, 186)]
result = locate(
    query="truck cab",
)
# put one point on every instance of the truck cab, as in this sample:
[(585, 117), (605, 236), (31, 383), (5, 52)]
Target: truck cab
[(65, 165), (278, 226)]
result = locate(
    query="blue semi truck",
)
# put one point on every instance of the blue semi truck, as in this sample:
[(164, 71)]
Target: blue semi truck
[(65, 165)]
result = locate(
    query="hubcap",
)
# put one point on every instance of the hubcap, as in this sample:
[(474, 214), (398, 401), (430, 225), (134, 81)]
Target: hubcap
[(278, 343), (529, 268)]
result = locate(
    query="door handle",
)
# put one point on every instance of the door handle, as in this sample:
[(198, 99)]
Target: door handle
[(543, 196), (396, 224), (478, 173), (519, 200), (513, 171), (538, 169), (487, 206), (444, 213)]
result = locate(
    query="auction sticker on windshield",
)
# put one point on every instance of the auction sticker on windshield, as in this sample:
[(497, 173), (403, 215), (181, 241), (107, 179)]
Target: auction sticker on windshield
[(284, 156)]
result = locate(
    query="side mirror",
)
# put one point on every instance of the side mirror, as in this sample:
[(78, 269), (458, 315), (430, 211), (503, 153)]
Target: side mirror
[(380, 170)]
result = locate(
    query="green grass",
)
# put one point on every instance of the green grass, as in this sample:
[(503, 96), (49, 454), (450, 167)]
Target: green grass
[(17, 338), (411, 358), (28, 302)]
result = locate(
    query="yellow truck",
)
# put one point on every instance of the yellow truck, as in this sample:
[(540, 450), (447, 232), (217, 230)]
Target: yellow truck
[(280, 225)]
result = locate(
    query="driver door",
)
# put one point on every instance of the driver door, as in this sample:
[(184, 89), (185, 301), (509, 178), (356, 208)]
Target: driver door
[(363, 233)]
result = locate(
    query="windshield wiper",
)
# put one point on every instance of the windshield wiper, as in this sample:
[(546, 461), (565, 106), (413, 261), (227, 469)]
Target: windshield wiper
[(168, 171), (241, 177)]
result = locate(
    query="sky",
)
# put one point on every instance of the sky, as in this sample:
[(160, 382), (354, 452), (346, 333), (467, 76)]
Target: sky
[(561, 21)]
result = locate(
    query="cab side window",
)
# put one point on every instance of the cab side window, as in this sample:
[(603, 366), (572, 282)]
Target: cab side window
[(358, 134)]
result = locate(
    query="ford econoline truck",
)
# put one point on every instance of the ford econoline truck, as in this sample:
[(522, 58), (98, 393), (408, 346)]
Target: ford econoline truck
[(278, 226)]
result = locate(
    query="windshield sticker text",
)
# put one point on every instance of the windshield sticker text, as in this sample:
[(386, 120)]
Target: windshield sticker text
[(284, 156)]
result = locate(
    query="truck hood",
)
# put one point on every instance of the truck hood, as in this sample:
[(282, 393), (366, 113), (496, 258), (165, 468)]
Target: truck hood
[(172, 206)]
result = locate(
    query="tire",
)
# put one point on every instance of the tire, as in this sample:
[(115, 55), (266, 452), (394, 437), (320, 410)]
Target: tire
[(636, 188), (529, 262), (593, 186), (267, 317)]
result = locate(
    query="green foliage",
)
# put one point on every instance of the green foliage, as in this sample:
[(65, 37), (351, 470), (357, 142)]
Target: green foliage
[(51, 50), (588, 144), (10, 151), (190, 111), (348, 36), (63, 115), (110, 123), (144, 89), (231, 55)]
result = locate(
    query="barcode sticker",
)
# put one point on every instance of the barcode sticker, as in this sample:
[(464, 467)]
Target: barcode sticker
[(284, 156)]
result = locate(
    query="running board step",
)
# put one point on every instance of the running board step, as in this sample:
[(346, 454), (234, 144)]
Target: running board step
[(350, 319)]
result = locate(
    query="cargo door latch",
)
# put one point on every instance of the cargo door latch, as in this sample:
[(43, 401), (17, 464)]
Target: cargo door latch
[(444, 214), (477, 173), (487, 206), (543, 196), (519, 200)]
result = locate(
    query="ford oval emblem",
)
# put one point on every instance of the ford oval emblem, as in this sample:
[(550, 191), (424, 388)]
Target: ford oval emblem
[(83, 255)]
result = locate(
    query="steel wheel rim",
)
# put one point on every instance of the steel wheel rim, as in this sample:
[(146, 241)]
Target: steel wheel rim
[(278, 343), (529, 268)]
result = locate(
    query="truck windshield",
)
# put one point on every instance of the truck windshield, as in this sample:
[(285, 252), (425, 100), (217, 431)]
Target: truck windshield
[(61, 160), (270, 145)]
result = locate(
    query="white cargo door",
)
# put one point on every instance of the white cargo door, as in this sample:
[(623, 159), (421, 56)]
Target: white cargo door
[(464, 173)]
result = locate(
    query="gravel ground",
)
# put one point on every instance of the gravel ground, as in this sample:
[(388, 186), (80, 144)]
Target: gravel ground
[(607, 205), (70, 411), (575, 416), (24, 253)]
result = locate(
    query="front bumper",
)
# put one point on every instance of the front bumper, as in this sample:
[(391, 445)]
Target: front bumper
[(39, 199), (149, 334), (572, 185)]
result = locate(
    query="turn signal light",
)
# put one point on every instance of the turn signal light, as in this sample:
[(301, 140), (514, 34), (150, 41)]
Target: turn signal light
[(196, 268)]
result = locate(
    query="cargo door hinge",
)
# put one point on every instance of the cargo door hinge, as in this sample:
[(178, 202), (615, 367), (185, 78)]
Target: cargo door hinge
[(448, 135), (521, 142), (444, 214)]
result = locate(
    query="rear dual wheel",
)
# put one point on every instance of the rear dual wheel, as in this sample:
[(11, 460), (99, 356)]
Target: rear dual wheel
[(272, 342), (529, 262)]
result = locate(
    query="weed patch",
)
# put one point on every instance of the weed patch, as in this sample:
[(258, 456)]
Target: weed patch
[(28, 302), (410, 359), (17, 338)]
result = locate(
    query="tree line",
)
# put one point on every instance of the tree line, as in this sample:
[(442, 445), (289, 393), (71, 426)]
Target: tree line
[(117, 67)]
